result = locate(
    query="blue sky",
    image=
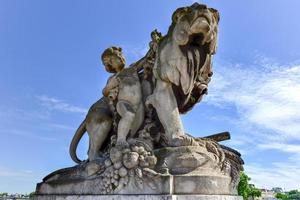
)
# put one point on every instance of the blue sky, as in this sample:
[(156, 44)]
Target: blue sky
[(50, 73)]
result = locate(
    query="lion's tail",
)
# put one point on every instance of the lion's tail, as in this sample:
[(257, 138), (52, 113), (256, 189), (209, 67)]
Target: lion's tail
[(74, 143)]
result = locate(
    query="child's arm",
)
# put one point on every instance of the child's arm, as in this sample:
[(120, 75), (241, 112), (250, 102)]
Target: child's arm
[(111, 84), (150, 55)]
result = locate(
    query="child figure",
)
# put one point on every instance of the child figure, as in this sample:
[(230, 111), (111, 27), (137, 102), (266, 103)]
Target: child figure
[(125, 93)]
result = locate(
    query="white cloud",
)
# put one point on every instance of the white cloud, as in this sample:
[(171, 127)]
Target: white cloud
[(15, 173), (30, 135), (59, 105), (12, 113), (61, 126), (289, 148), (266, 96), (283, 174), (19, 180), (293, 150)]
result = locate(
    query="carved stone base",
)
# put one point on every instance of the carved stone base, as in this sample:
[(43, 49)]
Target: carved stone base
[(187, 160), (137, 197), (191, 170), (166, 184)]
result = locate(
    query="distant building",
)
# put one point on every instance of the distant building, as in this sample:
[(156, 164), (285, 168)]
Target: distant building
[(266, 195), (277, 189)]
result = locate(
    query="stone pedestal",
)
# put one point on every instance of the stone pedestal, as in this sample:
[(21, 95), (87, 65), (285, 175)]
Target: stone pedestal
[(165, 185), (185, 170), (137, 197)]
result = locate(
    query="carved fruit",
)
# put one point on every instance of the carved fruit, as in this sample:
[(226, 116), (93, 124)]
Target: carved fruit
[(151, 160), (141, 150), (123, 181), (92, 168), (107, 162), (139, 172), (116, 176), (131, 173), (130, 160), (143, 163), (122, 172), (145, 153), (141, 157), (115, 155), (135, 148), (117, 165), (116, 183), (126, 150)]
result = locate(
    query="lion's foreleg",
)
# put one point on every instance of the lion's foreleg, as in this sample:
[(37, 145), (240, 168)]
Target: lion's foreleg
[(164, 102)]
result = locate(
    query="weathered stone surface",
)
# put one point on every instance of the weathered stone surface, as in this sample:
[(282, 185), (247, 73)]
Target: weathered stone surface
[(137, 197), (161, 185), (202, 184), (137, 144), (164, 184), (188, 159)]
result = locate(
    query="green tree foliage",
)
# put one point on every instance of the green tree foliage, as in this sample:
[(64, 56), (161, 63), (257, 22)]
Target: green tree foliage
[(31, 194), (3, 194), (254, 192), (291, 195), (294, 194), (243, 185), (281, 196), (245, 190)]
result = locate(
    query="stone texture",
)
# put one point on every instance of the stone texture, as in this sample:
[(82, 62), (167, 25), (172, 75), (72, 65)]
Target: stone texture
[(137, 197), (188, 159), (164, 184), (137, 144), (161, 185), (195, 184)]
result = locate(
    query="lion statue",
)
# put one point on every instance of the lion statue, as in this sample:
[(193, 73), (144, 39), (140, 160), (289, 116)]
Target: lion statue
[(183, 66), (137, 144), (174, 77)]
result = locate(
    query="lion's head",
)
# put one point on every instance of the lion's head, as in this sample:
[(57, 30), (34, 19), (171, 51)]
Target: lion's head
[(184, 54)]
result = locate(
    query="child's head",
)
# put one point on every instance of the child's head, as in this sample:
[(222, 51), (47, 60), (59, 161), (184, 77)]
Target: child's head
[(113, 60)]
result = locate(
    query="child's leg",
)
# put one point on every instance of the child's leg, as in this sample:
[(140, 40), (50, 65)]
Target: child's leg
[(127, 113), (138, 119)]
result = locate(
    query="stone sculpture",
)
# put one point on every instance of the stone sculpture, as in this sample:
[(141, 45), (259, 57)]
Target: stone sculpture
[(137, 144)]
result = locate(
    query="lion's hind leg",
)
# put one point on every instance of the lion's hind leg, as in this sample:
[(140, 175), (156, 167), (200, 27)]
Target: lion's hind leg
[(98, 132)]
